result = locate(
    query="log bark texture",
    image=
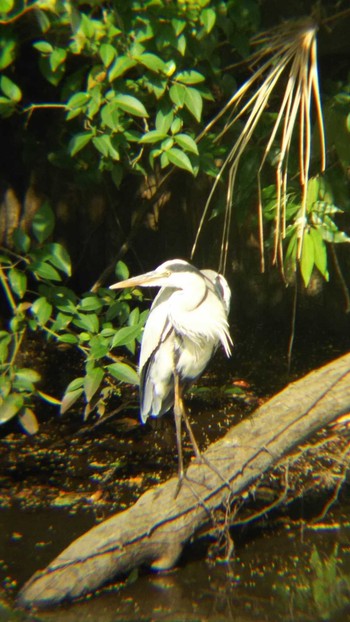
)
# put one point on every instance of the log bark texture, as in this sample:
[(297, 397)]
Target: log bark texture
[(155, 529)]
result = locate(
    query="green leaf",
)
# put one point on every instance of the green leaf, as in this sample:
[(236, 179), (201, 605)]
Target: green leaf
[(320, 252), (189, 77), (194, 102), (180, 159), (61, 322), (10, 406), (10, 89), (43, 222), (18, 282), (60, 258), (45, 271), (91, 302), (69, 398), (121, 271), (208, 19), (21, 240), (92, 382), (126, 334), (164, 120), (28, 421), (99, 347), (107, 53), (152, 62), (87, 321), (77, 383), (7, 52), (5, 340), (104, 145), (177, 93), (78, 100), (28, 374), (57, 58), (44, 47), (186, 142), (120, 66), (307, 261), (131, 105), (110, 115), (68, 338), (123, 372), (153, 136), (42, 310), (79, 141)]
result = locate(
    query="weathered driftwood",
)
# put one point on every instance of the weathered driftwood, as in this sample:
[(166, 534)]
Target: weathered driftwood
[(155, 529)]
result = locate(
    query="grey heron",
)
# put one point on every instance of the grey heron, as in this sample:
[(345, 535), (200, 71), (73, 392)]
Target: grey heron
[(187, 321)]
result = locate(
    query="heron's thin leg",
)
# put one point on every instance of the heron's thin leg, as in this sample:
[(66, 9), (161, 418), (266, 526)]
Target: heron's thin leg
[(200, 457), (178, 412), (196, 449)]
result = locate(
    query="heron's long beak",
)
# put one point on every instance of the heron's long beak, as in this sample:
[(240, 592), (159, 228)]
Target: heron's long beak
[(148, 279)]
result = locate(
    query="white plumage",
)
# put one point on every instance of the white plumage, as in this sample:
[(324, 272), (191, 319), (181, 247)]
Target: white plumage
[(187, 321)]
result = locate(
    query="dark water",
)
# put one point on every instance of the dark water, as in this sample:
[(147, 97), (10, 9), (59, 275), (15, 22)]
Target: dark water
[(270, 571), (273, 576)]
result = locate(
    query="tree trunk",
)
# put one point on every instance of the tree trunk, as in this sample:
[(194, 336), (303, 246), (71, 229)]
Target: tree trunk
[(155, 529)]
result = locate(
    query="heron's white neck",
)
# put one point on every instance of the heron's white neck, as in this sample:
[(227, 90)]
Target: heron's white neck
[(192, 290)]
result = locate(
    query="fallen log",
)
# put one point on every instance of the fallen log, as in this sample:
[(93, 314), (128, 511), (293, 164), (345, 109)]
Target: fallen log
[(155, 529)]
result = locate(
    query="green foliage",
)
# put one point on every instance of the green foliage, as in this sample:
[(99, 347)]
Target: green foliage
[(136, 62), (325, 590), (319, 229), (32, 279)]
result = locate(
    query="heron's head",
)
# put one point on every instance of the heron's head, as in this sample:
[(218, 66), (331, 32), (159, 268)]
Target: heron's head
[(173, 273)]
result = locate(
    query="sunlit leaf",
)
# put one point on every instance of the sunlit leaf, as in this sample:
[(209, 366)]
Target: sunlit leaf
[(123, 372), (194, 102), (10, 89), (130, 104), (91, 302), (87, 321), (186, 142), (21, 240), (121, 65), (320, 252), (107, 53), (79, 141), (152, 62), (121, 270), (307, 261), (18, 281), (43, 46), (164, 120), (28, 421), (69, 398), (125, 334), (10, 406), (60, 258), (177, 93), (208, 19), (92, 382), (42, 310), (189, 77), (180, 159), (45, 271), (43, 222), (152, 137)]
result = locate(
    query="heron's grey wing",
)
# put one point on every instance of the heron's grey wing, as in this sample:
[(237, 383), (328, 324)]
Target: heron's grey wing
[(219, 285), (155, 365), (155, 325)]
